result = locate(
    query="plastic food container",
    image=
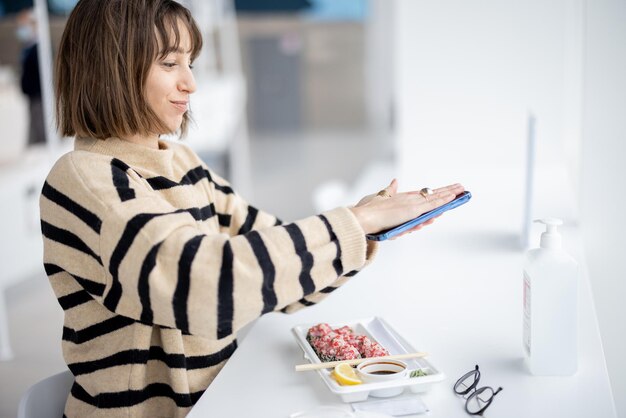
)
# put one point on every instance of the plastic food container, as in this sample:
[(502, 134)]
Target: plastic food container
[(378, 330)]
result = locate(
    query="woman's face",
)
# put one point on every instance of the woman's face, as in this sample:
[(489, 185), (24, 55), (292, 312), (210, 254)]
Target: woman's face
[(170, 82)]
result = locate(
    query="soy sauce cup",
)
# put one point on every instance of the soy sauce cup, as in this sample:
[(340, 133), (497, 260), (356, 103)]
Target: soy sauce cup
[(377, 371)]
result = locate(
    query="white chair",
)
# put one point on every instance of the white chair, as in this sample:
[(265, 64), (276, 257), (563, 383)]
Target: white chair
[(46, 399)]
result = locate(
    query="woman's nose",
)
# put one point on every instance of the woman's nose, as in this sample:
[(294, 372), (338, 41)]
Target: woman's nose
[(187, 82)]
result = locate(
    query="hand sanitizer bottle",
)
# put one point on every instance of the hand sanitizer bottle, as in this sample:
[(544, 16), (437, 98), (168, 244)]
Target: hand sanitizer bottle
[(550, 334)]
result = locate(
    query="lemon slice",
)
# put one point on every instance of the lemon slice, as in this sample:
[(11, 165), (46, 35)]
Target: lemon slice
[(345, 375)]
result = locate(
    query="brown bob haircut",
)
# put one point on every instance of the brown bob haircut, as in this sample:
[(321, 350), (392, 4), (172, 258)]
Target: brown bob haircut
[(106, 52)]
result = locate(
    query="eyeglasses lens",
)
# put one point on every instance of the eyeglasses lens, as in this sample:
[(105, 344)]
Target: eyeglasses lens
[(479, 400), (466, 383)]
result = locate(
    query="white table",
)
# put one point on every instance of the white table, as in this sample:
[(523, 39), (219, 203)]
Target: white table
[(451, 290)]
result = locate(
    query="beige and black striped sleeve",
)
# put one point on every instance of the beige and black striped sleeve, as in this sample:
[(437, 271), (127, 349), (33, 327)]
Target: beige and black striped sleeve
[(160, 267), (243, 218)]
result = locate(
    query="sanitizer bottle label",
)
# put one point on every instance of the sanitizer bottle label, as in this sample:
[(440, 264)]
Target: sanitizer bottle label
[(527, 324)]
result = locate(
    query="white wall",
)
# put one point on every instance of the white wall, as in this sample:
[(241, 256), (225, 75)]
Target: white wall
[(603, 205), (469, 75)]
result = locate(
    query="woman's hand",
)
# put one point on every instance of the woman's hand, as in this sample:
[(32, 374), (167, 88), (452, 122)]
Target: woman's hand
[(376, 213)]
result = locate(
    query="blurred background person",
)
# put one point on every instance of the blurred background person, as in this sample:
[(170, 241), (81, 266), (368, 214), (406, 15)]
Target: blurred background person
[(26, 32)]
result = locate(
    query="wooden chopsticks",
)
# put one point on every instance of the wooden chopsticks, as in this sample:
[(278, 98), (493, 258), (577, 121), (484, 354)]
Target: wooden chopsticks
[(332, 364)]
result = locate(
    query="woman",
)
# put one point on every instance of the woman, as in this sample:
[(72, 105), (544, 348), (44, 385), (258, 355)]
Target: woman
[(155, 260)]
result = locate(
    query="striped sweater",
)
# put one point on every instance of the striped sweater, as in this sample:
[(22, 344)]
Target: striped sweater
[(157, 263)]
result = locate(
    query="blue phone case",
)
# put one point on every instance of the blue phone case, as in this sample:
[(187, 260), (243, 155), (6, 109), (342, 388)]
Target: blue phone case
[(390, 233)]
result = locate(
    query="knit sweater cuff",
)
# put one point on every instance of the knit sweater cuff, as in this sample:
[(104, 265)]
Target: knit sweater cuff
[(372, 250), (351, 238)]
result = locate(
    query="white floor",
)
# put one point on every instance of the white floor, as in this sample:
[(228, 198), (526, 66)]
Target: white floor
[(285, 171)]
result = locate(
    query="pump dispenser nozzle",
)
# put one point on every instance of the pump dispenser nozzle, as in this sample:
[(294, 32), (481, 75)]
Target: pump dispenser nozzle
[(551, 238)]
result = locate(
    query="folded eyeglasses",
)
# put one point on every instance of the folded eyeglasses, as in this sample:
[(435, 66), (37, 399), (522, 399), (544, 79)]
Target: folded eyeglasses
[(480, 398)]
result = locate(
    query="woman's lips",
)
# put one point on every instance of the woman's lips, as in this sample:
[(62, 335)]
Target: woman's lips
[(182, 106)]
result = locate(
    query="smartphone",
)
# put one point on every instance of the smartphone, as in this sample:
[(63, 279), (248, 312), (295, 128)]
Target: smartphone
[(390, 233)]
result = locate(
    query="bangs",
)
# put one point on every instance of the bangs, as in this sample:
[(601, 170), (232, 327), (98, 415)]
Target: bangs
[(168, 31)]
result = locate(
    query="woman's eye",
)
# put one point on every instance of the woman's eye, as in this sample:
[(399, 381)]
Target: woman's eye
[(191, 66), (169, 64)]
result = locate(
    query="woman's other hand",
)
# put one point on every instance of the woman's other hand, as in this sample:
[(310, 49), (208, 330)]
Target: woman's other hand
[(377, 212)]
